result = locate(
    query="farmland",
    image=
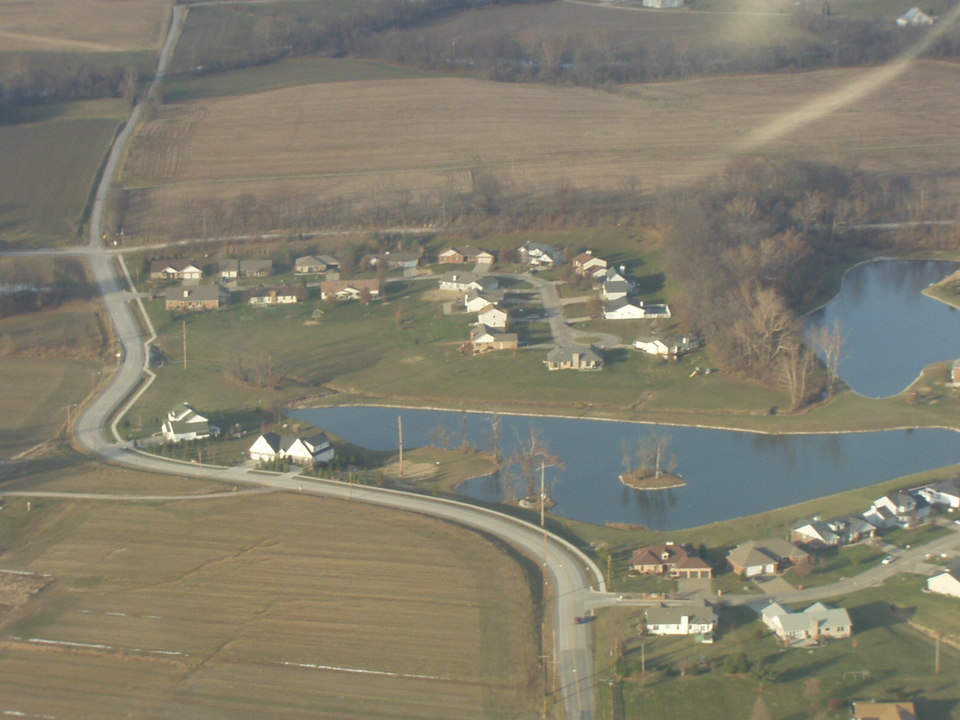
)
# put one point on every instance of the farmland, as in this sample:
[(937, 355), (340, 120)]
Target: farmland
[(386, 140), (212, 608), (81, 26), (49, 169)]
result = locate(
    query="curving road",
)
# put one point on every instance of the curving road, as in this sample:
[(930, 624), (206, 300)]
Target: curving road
[(569, 575)]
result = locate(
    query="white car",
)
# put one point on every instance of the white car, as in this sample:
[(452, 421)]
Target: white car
[(888, 559)]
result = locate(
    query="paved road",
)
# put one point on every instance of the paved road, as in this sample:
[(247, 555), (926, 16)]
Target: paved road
[(569, 575)]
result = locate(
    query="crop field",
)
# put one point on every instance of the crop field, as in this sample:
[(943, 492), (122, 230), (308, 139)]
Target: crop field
[(35, 395), (382, 140), (82, 25), (628, 26), (49, 169), (276, 604)]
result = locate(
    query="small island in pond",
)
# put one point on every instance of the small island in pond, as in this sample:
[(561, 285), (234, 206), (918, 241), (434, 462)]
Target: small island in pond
[(649, 480), (650, 473)]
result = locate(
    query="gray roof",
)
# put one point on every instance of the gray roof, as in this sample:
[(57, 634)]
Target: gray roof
[(697, 613)]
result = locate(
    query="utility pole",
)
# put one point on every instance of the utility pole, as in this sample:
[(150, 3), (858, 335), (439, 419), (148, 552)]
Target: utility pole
[(936, 655), (184, 327)]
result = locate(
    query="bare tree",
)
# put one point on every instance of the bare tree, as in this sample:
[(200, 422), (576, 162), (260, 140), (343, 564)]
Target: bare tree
[(829, 343)]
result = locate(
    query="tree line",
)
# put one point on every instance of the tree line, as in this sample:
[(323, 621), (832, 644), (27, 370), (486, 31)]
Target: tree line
[(750, 250)]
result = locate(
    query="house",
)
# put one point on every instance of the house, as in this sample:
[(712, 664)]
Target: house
[(898, 509), (915, 17), (539, 254), (884, 711), (466, 281), (393, 260), (231, 268), (279, 295), (185, 423), (474, 301), (484, 338), (946, 582), (852, 528), (764, 557), (808, 627), (624, 309), (670, 347), (350, 289), (300, 451), (676, 561), (315, 265), (493, 317), (614, 290), (815, 533), (175, 270), (689, 619), (955, 373), (194, 297), (945, 492), (465, 254), (586, 264), (580, 357)]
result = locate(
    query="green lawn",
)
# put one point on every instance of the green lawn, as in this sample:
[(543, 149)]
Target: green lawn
[(49, 169)]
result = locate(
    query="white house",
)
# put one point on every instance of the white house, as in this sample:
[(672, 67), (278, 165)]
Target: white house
[(915, 17), (898, 509), (818, 622), (475, 302), (494, 317), (946, 582), (588, 264), (945, 492), (660, 4), (539, 254), (674, 346), (467, 281), (315, 265), (688, 619), (300, 451), (614, 290), (185, 423)]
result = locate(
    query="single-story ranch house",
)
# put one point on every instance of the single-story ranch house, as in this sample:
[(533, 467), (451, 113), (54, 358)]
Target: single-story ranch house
[(580, 357), (175, 270), (764, 557), (194, 297), (349, 289), (465, 254), (696, 618), (233, 268), (816, 623), (315, 265), (676, 561), (279, 295)]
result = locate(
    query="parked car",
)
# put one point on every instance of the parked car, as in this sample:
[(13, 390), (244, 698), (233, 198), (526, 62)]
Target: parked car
[(888, 559)]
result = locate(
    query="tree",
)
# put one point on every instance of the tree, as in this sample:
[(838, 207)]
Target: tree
[(829, 342)]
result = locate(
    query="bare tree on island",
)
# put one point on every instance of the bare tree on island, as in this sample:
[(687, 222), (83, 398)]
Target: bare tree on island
[(531, 457), (655, 468)]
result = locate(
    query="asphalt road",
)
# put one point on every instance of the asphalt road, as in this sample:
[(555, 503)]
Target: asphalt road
[(569, 575)]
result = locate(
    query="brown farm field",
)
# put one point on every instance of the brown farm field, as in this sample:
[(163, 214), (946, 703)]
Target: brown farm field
[(82, 25), (382, 140), (274, 606)]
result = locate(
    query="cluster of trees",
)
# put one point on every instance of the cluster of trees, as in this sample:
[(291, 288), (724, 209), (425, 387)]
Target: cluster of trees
[(748, 251), (33, 81)]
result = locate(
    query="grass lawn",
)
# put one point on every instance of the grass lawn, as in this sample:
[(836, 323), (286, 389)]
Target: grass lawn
[(214, 608), (49, 169)]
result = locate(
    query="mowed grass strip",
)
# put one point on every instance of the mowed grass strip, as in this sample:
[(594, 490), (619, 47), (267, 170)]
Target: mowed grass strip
[(258, 594), (49, 170)]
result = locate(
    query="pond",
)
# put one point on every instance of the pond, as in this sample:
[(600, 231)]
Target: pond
[(729, 474), (891, 330)]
